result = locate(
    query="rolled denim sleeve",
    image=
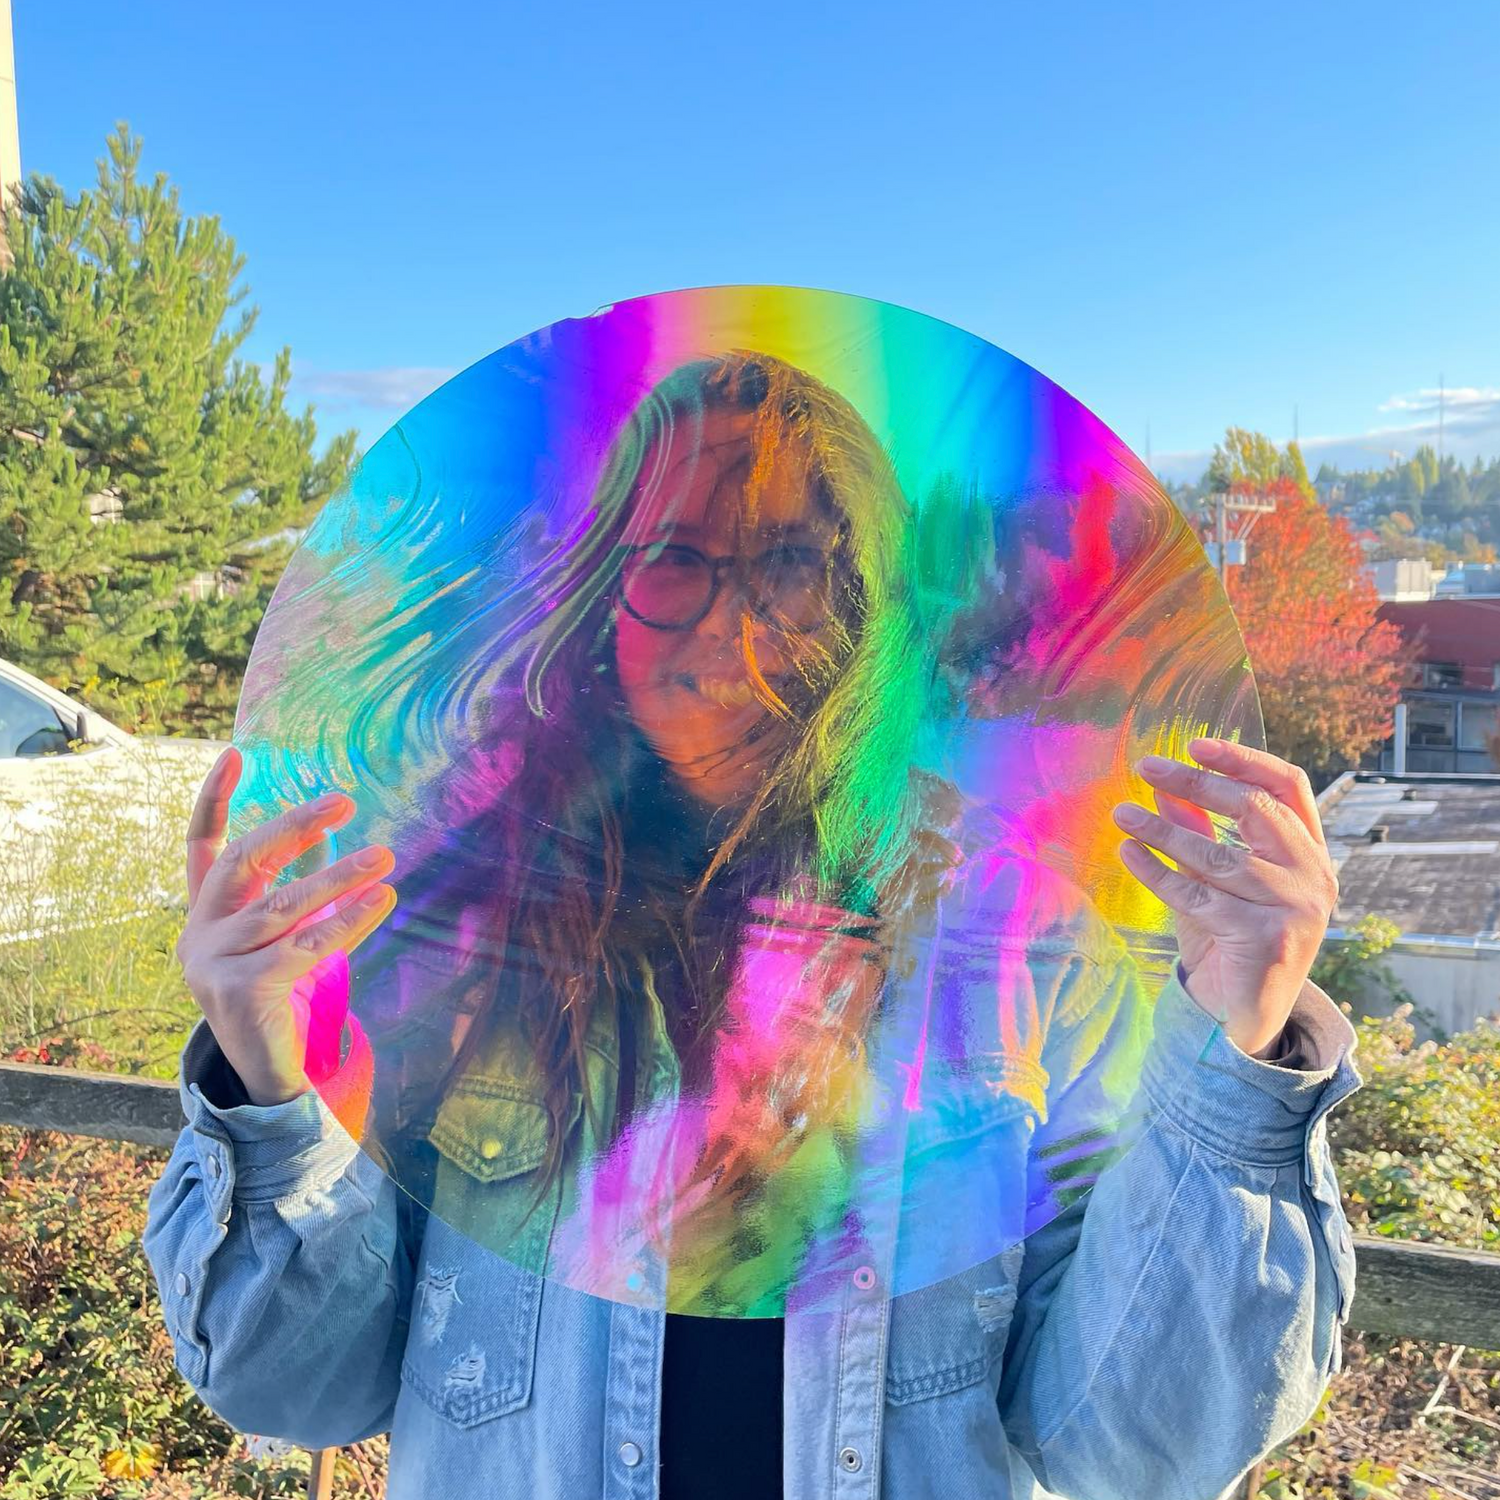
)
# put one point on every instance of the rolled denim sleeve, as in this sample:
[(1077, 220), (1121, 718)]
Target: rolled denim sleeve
[(1184, 1317), (283, 1262)]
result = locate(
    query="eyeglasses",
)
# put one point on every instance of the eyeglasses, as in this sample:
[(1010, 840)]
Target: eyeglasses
[(672, 587)]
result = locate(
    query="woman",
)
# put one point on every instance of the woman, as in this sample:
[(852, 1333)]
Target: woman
[(1152, 1337)]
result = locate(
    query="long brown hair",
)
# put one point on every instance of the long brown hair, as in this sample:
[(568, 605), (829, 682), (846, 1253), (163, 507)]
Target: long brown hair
[(578, 913)]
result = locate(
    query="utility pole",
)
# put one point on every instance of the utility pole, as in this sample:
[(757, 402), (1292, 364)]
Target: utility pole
[(10, 129), (1256, 505), (1442, 394)]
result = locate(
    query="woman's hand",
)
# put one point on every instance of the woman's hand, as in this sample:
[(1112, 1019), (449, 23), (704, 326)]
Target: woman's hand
[(246, 945), (1249, 921)]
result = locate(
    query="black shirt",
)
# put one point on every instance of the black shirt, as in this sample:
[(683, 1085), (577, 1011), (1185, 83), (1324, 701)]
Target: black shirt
[(721, 1419)]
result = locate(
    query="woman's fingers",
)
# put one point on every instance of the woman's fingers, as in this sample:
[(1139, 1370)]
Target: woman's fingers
[(282, 908), (1185, 895), (1220, 865), (1284, 781), (1270, 828), (205, 831), (251, 862), (1184, 814), (292, 955)]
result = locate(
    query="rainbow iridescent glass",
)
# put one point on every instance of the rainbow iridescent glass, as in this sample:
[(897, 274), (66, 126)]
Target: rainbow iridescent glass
[(916, 996)]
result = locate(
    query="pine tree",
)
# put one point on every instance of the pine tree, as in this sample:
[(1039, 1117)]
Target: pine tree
[(151, 480)]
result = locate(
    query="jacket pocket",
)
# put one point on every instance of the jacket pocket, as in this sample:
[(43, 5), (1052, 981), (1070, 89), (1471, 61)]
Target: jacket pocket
[(476, 1307), (951, 1335), (471, 1350)]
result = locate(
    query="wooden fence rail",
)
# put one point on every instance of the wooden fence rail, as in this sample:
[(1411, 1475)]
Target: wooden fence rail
[(1407, 1289)]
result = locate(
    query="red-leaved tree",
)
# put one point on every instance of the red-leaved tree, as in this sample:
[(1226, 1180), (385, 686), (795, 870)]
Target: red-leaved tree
[(1328, 671)]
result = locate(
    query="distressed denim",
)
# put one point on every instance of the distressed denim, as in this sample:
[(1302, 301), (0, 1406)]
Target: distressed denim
[(1153, 1339)]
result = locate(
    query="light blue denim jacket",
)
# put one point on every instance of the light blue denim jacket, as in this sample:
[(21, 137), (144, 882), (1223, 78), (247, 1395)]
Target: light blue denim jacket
[(1151, 1340)]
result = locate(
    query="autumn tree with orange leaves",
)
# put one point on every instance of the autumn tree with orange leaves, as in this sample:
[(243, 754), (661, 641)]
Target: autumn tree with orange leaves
[(1329, 673)]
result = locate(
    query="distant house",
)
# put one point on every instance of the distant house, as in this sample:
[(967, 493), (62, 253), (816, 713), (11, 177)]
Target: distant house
[(1470, 578), (1403, 579), (1424, 852), (1452, 700)]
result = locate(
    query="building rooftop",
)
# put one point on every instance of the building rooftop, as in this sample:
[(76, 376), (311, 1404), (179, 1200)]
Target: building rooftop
[(1436, 868)]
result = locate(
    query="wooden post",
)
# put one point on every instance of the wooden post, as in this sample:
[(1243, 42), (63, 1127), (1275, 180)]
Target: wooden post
[(320, 1476), (108, 1106)]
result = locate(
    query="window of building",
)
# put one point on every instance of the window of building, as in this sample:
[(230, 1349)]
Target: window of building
[(1442, 674), (1476, 726), (1430, 725)]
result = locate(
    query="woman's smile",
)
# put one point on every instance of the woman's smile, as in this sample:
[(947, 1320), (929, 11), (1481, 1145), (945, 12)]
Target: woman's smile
[(726, 692)]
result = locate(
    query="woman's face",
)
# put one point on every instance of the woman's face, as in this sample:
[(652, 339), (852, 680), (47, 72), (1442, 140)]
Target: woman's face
[(690, 690)]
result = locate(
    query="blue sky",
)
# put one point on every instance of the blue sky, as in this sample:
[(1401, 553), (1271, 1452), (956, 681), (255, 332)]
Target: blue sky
[(1187, 215)]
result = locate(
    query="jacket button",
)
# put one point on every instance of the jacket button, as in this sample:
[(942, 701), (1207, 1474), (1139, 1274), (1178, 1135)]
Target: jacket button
[(850, 1461), (630, 1455), (182, 1284), (215, 1166), (489, 1148)]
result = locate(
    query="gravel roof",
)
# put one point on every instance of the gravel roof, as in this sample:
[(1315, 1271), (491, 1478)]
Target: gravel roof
[(1437, 868)]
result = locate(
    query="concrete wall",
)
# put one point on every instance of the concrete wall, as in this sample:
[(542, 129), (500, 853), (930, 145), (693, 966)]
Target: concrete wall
[(1457, 984)]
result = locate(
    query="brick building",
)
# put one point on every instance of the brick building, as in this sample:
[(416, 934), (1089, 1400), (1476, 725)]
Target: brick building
[(1453, 698)]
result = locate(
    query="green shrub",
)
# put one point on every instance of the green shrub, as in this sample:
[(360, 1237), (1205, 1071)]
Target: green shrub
[(1418, 1148), (93, 1403), (1418, 1157), (92, 897)]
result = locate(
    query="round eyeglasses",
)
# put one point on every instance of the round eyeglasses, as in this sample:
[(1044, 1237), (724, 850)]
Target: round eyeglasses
[(672, 587)]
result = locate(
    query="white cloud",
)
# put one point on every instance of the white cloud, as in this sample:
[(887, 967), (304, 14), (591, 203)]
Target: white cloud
[(1458, 401), (1470, 428), (396, 388)]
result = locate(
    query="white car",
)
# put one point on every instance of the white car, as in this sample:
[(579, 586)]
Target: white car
[(78, 795)]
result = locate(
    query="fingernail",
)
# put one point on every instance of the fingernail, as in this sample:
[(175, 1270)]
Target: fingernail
[(370, 859), (1155, 764), (327, 802), (1129, 815)]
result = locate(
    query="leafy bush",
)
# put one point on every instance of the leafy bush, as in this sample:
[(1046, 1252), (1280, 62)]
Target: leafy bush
[(1418, 1148), (1352, 967), (1418, 1157), (93, 1403), (92, 898)]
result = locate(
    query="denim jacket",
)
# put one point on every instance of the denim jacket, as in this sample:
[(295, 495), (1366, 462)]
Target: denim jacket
[(1153, 1338)]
